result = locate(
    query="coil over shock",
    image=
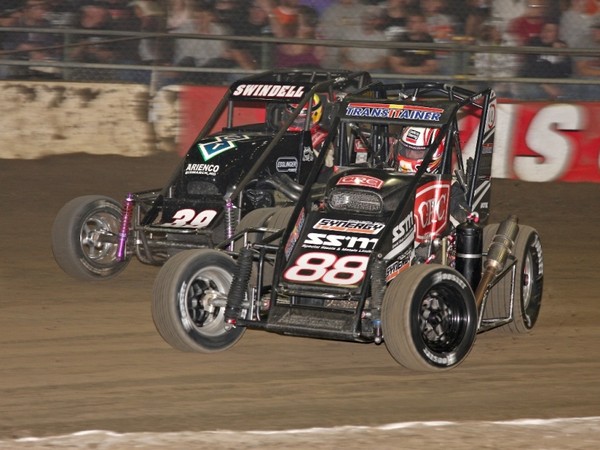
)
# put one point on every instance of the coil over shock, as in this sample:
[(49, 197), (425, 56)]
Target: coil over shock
[(126, 214), (377, 291), (238, 288)]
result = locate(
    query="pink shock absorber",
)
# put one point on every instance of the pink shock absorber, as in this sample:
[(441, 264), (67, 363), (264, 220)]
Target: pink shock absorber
[(124, 230)]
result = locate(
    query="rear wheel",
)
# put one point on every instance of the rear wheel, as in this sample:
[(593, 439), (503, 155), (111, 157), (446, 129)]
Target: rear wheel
[(182, 301), (429, 318), (529, 281), (254, 219), (85, 238)]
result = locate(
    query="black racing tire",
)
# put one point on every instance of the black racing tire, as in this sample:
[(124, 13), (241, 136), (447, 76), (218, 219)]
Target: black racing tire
[(181, 311), (76, 243), (280, 219), (429, 318), (529, 282), (254, 219)]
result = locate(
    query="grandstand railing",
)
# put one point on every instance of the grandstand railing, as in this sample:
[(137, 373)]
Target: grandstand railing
[(460, 51)]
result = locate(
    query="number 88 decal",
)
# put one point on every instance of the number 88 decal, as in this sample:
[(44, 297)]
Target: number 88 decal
[(328, 268)]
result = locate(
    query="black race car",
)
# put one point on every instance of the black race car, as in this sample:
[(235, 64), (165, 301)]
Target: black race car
[(274, 125), (390, 246)]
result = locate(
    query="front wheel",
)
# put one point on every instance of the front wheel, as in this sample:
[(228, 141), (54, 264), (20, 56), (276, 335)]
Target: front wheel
[(85, 235), (429, 318), (182, 301)]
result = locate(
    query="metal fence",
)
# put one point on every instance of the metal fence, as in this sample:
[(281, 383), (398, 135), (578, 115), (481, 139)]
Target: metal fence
[(459, 58)]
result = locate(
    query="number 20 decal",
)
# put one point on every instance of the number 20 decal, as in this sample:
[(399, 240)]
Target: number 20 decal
[(190, 218), (328, 268)]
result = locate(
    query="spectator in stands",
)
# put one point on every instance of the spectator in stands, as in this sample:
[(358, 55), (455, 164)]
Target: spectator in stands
[(507, 10), (361, 58), (151, 18), (439, 24), (546, 66), (412, 61), (575, 24), (393, 20), (178, 13), (283, 14), (100, 48), (10, 10), (30, 45), (495, 65), (206, 53), (589, 66), (340, 21), (198, 52), (301, 55), (476, 13), (530, 23), (62, 13), (441, 28), (251, 55), (319, 5), (233, 14), (121, 14)]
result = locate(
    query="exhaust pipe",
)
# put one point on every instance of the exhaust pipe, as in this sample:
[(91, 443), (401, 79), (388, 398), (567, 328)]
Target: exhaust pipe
[(498, 252)]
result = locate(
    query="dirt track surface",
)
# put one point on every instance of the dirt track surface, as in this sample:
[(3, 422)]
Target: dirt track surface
[(85, 356)]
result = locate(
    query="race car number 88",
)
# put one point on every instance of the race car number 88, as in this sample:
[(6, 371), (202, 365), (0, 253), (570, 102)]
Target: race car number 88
[(328, 268)]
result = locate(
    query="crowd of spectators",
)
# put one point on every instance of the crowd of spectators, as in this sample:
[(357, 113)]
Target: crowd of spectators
[(549, 24)]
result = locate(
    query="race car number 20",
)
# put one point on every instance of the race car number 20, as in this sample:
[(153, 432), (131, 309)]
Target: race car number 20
[(328, 268), (189, 218)]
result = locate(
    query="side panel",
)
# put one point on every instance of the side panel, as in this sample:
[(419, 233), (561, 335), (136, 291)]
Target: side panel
[(332, 251)]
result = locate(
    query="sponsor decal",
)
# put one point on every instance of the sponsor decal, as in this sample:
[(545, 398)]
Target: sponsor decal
[(403, 237), (218, 145), (308, 154), (491, 115), (394, 111), (396, 267), (289, 246), (439, 277), (281, 91), (360, 180), (324, 241), (446, 360), (287, 164), (431, 209), (350, 226), (202, 169), (538, 250), (403, 229)]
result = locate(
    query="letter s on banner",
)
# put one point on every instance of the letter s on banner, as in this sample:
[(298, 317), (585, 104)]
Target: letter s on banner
[(547, 154)]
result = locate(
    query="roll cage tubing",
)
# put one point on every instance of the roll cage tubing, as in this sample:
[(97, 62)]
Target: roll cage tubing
[(462, 96), (331, 79), (328, 84)]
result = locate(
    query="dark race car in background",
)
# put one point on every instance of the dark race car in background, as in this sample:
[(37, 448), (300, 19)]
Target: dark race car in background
[(388, 249), (251, 163)]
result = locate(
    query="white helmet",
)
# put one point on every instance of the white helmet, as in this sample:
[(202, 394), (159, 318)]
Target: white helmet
[(412, 147)]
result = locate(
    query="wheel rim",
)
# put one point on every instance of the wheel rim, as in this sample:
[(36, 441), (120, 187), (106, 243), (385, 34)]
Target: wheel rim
[(442, 320), (527, 281), (195, 301), (93, 246)]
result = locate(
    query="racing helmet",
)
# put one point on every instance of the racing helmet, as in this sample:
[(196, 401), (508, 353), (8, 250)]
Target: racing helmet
[(315, 114), (412, 146)]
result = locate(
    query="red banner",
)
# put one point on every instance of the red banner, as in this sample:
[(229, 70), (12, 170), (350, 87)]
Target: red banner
[(534, 141)]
